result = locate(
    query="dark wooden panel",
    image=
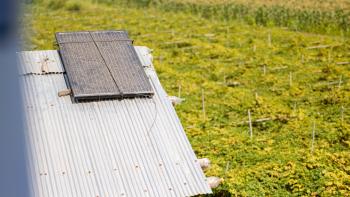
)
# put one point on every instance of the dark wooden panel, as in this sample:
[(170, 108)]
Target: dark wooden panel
[(86, 72), (102, 64), (125, 67)]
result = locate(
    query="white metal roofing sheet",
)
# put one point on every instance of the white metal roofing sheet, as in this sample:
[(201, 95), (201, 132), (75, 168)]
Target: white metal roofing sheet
[(32, 62), (130, 147)]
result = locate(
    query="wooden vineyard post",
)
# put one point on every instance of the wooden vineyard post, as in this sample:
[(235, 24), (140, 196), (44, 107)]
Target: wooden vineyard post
[(269, 39), (203, 106), (179, 91), (250, 125), (204, 116), (340, 81), (302, 58), (313, 137), (226, 169)]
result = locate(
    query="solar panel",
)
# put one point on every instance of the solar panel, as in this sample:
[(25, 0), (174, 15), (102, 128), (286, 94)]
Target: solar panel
[(102, 65)]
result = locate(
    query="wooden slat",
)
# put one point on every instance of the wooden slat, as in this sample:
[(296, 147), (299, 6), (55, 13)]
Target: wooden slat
[(125, 67)]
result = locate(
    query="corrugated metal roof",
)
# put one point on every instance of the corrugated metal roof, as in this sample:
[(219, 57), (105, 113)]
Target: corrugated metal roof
[(130, 147), (33, 62)]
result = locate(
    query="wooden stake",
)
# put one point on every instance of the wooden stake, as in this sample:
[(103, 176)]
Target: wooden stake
[(302, 58), (203, 105), (264, 70), (342, 63), (279, 68), (319, 47), (179, 91), (204, 116), (290, 79), (250, 125), (340, 82), (313, 137), (65, 92), (226, 169)]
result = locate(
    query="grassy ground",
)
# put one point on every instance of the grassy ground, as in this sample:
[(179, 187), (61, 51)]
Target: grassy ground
[(324, 5), (294, 15), (290, 82)]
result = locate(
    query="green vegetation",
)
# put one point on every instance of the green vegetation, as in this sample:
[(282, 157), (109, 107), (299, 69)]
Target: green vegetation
[(334, 20), (289, 81), (323, 5)]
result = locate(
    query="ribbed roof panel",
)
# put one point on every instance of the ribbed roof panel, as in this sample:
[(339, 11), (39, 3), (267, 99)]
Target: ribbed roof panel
[(130, 147)]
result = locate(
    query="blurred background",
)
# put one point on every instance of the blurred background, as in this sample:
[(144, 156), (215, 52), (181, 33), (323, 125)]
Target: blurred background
[(13, 176)]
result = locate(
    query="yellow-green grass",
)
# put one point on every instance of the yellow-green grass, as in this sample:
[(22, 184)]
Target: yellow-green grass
[(334, 21), (324, 5)]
